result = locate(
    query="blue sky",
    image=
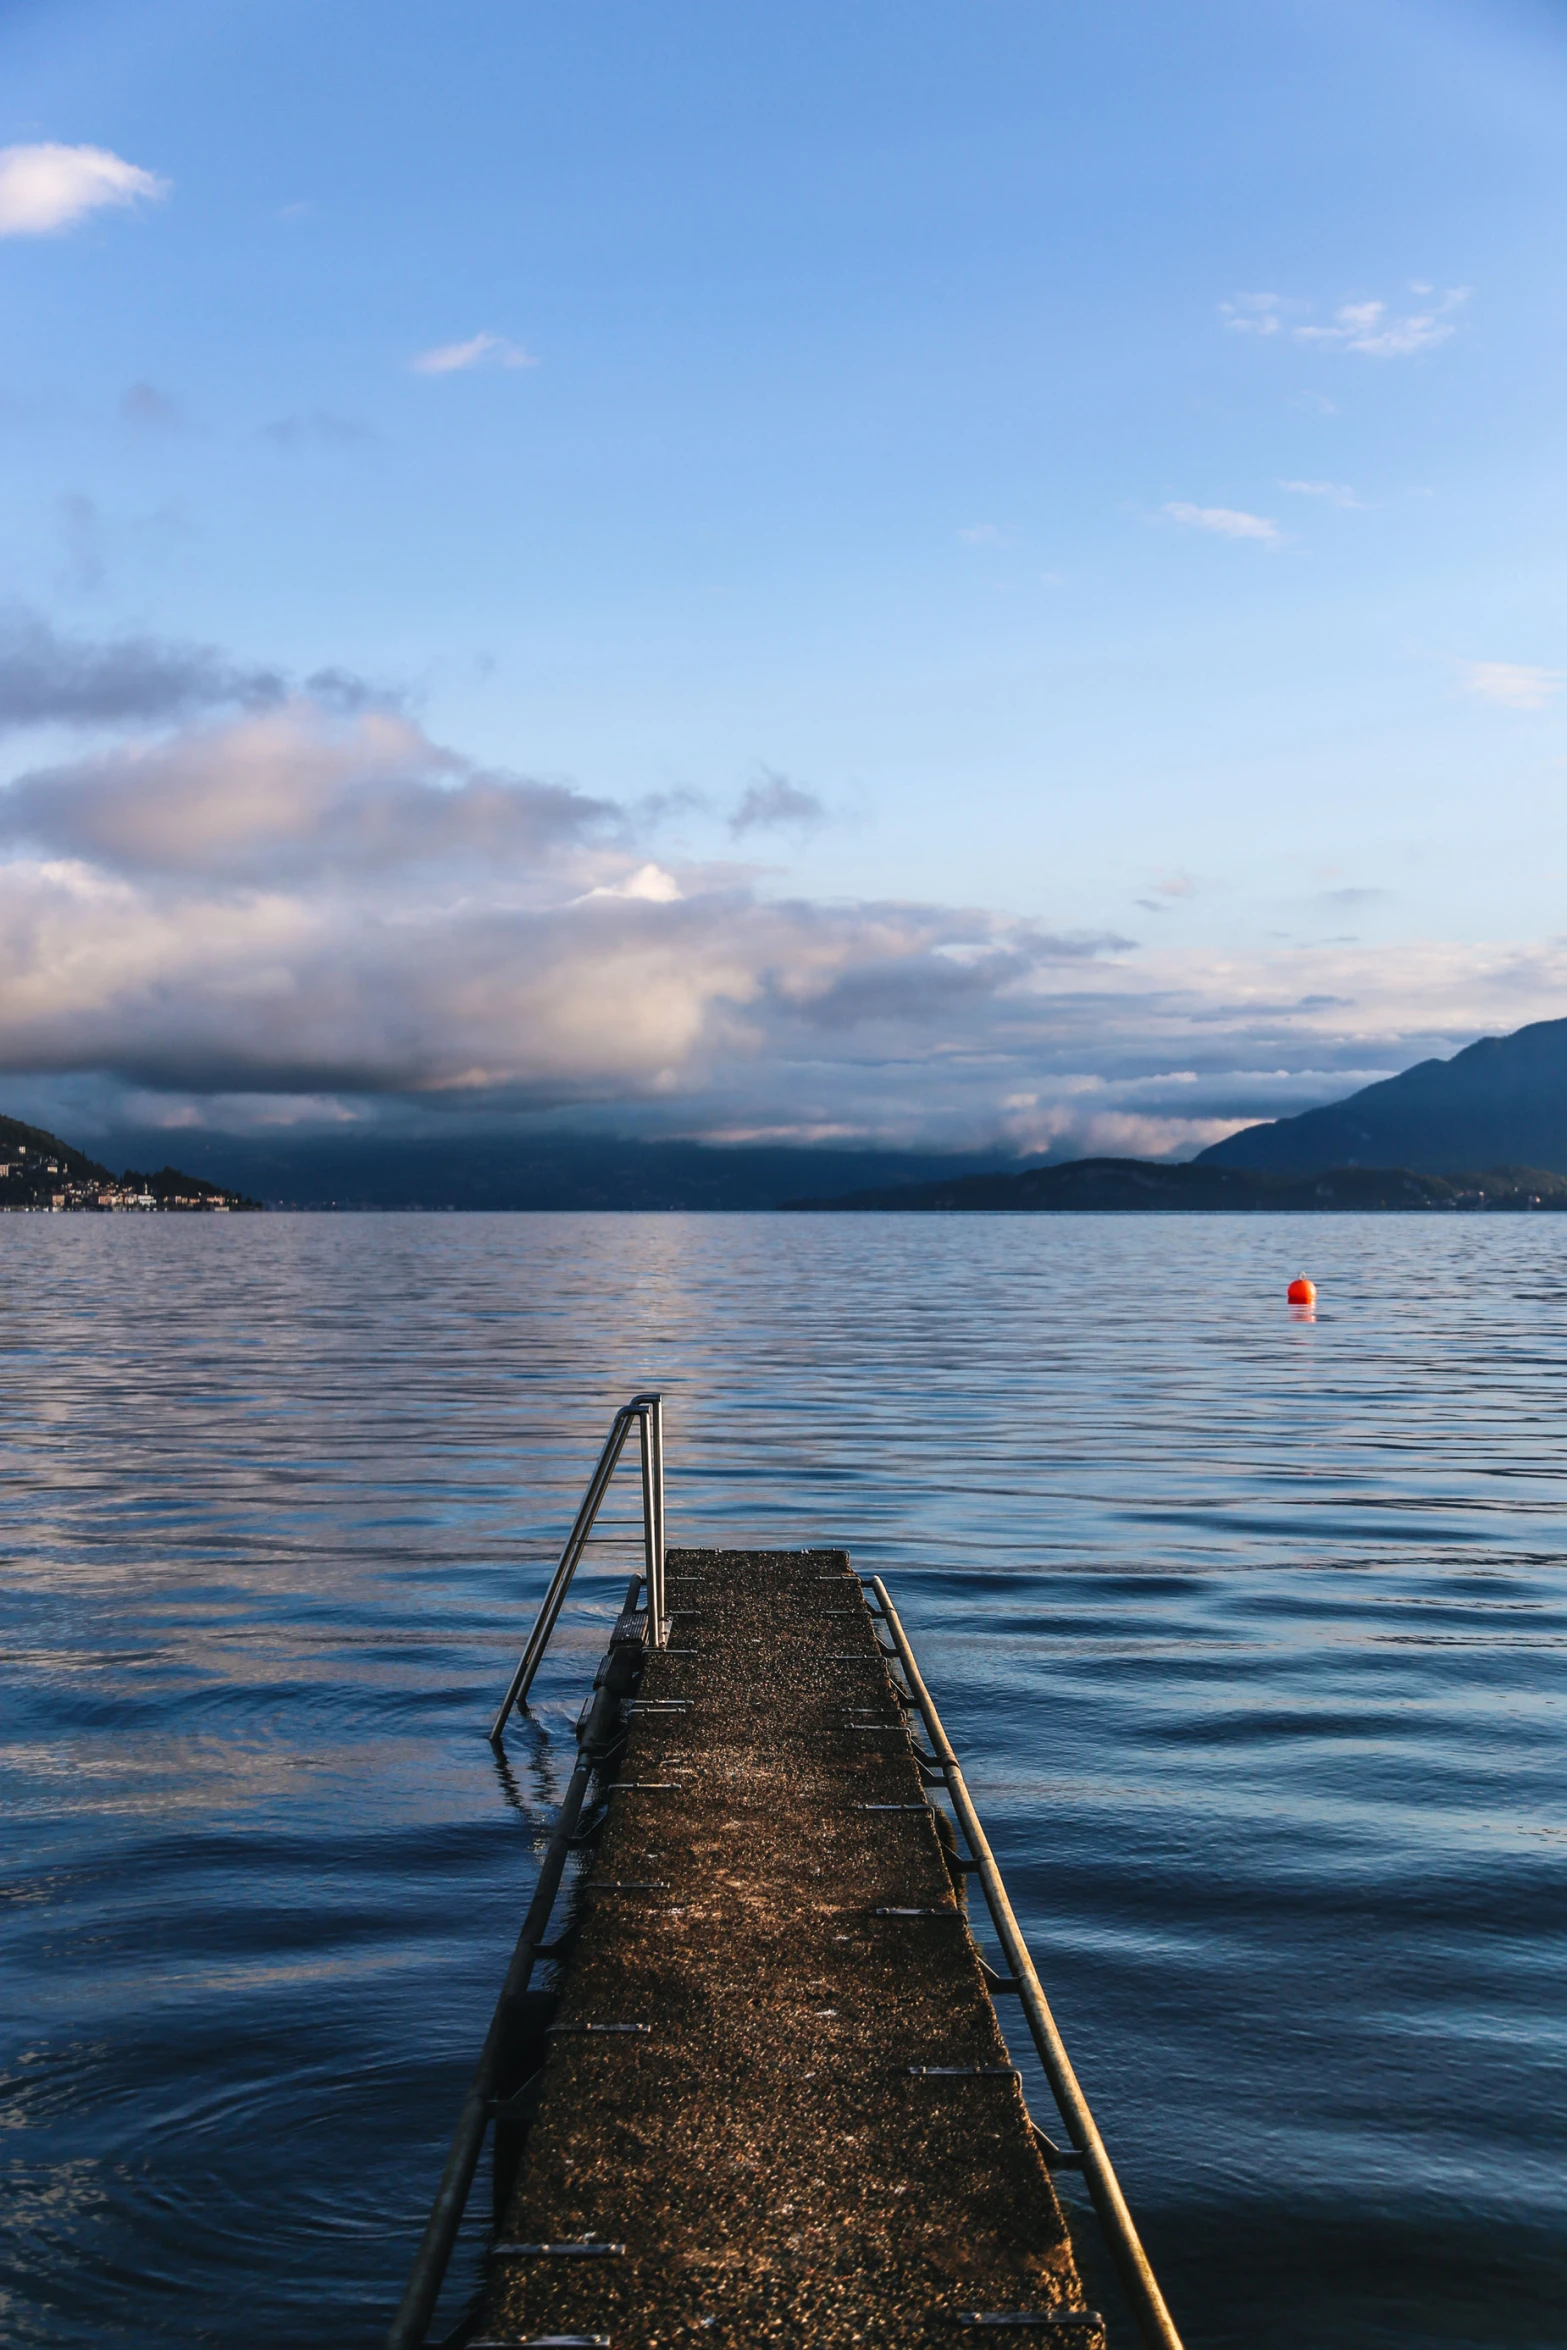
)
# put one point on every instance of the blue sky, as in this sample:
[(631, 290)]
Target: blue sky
[(940, 572)]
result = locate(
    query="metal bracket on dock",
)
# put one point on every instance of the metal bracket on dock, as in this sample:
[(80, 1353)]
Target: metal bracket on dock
[(523, 2104), (1055, 2157)]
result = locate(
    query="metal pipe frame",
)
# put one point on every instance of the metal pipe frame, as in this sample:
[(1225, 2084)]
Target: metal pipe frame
[(601, 1733), (648, 1411), (1153, 2318)]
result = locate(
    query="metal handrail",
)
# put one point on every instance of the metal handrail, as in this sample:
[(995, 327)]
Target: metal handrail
[(1153, 2318), (648, 1412)]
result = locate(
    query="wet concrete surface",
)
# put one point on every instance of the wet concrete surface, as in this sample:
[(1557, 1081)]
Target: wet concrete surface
[(760, 2150)]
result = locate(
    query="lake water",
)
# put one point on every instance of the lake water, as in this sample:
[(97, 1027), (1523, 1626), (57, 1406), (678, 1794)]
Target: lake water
[(1252, 1633)]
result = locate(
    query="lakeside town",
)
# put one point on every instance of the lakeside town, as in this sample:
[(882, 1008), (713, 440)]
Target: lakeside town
[(44, 1177)]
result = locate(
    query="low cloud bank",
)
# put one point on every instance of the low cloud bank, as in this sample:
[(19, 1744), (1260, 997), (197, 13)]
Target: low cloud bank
[(300, 901), (297, 908)]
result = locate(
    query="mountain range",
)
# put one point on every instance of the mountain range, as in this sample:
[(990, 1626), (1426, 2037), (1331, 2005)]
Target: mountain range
[(463, 1170), (1415, 1140), (1122, 1184), (1499, 1103)]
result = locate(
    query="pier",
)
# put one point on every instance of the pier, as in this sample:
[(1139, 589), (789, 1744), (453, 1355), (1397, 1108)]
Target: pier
[(769, 2098)]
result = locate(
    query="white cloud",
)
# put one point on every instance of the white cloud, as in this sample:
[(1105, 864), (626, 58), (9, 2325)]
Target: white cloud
[(317, 905), (1256, 314), (301, 902), (481, 350), (1371, 328), (1368, 327), (980, 534), (1118, 1134), (1513, 685), (1336, 493), (651, 883), (1227, 522), (296, 795), (51, 187)]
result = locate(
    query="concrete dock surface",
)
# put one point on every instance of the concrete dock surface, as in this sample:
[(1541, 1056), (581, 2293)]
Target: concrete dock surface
[(774, 2105)]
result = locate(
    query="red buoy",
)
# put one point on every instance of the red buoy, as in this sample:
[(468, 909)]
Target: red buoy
[(1302, 1292)]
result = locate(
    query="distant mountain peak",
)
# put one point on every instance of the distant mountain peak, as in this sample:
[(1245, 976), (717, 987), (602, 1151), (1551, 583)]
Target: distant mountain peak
[(1501, 1101)]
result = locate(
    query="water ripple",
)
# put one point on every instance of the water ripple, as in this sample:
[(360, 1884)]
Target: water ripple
[(1253, 1633)]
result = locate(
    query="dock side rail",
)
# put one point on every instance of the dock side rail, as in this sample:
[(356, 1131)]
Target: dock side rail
[(648, 1413), (1137, 2278)]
